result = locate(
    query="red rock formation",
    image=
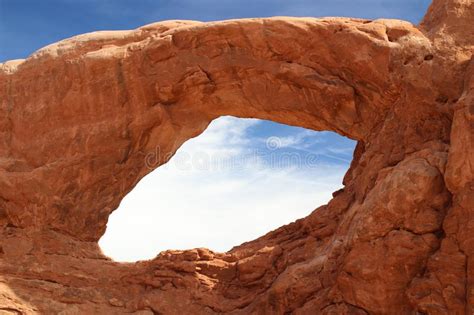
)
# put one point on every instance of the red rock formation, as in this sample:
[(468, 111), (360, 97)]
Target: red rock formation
[(81, 121)]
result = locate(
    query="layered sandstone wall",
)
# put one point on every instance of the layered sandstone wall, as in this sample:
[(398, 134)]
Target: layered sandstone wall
[(82, 119)]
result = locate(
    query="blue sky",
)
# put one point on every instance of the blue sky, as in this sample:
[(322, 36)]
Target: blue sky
[(240, 178), (27, 25)]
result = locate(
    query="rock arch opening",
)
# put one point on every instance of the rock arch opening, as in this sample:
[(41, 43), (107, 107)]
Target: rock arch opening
[(238, 180)]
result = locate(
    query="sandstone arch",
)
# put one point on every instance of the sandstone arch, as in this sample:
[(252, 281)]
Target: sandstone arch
[(79, 117)]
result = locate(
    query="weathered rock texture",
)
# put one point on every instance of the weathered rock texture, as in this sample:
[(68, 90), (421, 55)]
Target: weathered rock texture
[(82, 120)]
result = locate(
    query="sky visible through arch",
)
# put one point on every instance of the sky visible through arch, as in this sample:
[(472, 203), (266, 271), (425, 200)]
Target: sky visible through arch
[(269, 174), (238, 180)]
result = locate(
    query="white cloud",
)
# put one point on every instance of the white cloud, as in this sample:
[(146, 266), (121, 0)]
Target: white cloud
[(218, 208), (297, 140)]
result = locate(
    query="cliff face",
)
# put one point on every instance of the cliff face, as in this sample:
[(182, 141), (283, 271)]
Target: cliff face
[(82, 120)]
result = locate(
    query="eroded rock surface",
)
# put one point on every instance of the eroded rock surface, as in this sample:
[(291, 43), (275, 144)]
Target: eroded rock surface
[(83, 120)]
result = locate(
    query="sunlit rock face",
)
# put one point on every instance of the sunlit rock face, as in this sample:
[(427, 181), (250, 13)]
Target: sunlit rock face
[(83, 120)]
